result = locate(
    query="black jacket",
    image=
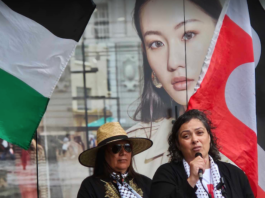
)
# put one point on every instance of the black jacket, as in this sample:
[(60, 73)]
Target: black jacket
[(170, 180), (93, 187)]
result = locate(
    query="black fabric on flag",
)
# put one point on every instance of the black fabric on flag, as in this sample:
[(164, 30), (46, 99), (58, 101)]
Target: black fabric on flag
[(257, 19), (57, 16)]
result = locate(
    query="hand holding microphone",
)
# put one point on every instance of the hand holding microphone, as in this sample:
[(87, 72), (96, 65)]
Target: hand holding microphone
[(197, 167)]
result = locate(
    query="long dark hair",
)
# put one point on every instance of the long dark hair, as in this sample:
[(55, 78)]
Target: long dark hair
[(173, 140), (158, 99), (103, 170)]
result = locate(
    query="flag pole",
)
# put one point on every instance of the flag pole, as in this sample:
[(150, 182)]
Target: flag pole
[(37, 165)]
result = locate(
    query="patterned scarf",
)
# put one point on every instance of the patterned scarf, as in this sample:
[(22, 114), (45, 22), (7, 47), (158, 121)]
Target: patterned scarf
[(125, 190), (214, 174)]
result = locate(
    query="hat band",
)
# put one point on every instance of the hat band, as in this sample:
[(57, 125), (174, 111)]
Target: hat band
[(112, 138)]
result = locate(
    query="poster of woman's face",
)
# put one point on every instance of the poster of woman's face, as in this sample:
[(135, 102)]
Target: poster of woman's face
[(175, 42), (175, 38)]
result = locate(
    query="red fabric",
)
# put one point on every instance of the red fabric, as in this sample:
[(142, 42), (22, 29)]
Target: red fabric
[(238, 142), (210, 189), (24, 158), (28, 187)]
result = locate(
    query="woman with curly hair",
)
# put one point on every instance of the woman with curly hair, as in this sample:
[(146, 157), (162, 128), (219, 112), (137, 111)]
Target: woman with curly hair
[(193, 149)]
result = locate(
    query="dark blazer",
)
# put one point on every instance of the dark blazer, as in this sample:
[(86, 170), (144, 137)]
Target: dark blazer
[(170, 180), (93, 187)]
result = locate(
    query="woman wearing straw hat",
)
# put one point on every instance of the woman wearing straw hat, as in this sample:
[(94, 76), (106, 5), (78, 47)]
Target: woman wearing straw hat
[(114, 175)]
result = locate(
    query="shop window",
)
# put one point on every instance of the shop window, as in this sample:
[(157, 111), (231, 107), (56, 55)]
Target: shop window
[(81, 102), (101, 21)]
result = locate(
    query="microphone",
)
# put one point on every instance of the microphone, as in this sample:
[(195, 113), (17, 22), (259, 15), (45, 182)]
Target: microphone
[(200, 170), (200, 176)]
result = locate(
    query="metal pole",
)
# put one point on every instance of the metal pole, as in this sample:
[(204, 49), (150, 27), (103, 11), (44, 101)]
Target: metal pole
[(85, 88), (117, 82), (37, 166), (85, 95), (46, 156), (104, 111)]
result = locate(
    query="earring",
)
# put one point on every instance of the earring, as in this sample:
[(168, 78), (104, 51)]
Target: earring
[(156, 82)]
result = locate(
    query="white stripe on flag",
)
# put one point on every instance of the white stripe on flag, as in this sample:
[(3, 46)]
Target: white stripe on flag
[(240, 88), (32, 53), (240, 94), (208, 57), (238, 12)]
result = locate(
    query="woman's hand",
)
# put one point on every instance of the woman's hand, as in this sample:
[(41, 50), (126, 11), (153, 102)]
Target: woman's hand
[(195, 165)]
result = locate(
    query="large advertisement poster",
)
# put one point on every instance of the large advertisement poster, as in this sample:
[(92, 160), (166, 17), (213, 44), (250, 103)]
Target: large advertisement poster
[(175, 38)]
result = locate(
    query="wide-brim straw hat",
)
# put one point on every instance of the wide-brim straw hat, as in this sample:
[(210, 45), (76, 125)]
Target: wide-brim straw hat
[(109, 133)]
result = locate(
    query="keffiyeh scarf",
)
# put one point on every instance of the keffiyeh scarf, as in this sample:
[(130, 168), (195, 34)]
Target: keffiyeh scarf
[(125, 190), (214, 174)]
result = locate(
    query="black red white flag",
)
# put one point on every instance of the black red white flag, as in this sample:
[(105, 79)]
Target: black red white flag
[(227, 88)]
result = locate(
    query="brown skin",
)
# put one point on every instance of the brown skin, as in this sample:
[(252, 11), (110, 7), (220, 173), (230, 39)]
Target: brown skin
[(194, 138), (119, 162)]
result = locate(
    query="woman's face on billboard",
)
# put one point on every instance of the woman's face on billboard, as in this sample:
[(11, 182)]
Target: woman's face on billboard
[(162, 26)]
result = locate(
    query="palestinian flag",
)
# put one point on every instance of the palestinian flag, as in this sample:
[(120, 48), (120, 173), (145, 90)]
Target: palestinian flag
[(37, 39), (227, 88)]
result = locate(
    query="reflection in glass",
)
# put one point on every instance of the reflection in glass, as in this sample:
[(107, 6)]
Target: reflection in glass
[(112, 67)]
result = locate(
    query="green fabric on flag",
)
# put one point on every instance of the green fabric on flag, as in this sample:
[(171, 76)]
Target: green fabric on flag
[(99, 122), (16, 97)]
